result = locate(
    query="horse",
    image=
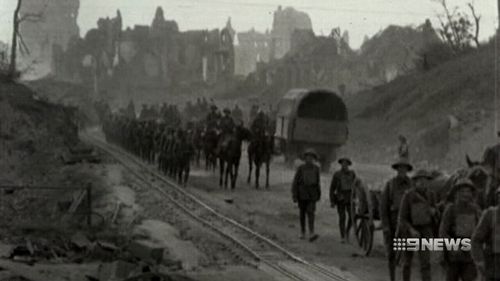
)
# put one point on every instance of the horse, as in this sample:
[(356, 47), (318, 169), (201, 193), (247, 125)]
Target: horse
[(230, 156), (210, 142), (198, 144), (476, 172), (260, 152)]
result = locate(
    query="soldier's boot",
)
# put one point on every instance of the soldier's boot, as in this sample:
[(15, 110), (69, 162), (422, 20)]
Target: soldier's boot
[(408, 257), (310, 217), (392, 271), (425, 265), (341, 213)]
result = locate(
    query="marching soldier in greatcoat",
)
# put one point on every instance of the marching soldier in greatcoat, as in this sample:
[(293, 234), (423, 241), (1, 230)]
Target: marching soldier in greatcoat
[(212, 119), (418, 218), (390, 202), (459, 221), (491, 160), (340, 195), (306, 191), (486, 243)]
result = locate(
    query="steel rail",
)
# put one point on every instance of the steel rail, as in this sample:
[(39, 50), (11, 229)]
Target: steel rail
[(123, 157)]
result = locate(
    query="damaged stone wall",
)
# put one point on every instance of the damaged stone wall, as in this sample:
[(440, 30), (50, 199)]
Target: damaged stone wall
[(54, 25), (253, 47), (146, 59), (285, 22)]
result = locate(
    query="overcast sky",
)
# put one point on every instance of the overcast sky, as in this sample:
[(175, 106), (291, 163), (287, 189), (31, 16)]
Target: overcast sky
[(359, 17)]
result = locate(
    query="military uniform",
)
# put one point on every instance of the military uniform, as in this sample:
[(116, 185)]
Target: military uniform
[(491, 158), (212, 120), (486, 244), (226, 124), (259, 124), (390, 201), (237, 114), (417, 219), (340, 195), (306, 191), (459, 221)]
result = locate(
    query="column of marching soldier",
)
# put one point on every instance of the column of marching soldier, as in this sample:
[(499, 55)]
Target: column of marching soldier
[(164, 141), (170, 147), (411, 208), (408, 206)]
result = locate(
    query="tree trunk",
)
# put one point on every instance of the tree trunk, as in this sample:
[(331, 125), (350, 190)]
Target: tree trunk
[(15, 30)]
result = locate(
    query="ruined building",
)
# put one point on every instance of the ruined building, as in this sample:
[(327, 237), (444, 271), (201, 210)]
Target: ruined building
[(285, 22), (328, 61), (256, 48), (253, 47), (52, 23), (154, 60)]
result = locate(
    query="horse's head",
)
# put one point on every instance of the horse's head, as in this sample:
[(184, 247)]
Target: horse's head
[(477, 172), (471, 163), (479, 176)]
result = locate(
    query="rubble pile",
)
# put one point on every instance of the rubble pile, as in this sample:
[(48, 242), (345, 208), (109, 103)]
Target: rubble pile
[(45, 202), (100, 257)]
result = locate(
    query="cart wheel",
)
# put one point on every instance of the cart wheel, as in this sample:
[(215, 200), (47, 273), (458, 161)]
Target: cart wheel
[(362, 218)]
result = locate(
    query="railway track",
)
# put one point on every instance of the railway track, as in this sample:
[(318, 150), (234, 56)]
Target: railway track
[(261, 250)]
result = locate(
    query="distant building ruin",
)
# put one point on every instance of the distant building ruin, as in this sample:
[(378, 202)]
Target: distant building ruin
[(147, 58), (285, 22), (55, 26), (254, 47)]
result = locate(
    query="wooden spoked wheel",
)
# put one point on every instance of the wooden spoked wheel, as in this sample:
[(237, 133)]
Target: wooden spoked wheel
[(362, 218)]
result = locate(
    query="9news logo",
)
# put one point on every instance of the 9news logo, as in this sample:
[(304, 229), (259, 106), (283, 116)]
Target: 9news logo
[(431, 244)]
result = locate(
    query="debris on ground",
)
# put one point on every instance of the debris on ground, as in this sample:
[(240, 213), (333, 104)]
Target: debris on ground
[(80, 153)]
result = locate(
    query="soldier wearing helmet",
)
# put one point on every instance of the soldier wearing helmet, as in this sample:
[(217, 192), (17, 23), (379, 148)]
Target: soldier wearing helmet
[(260, 123), (306, 191), (212, 119), (418, 218), (392, 195), (459, 221), (341, 187), (226, 123), (486, 242)]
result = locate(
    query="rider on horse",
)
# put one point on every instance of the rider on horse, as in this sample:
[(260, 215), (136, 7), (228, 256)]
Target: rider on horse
[(212, 119), (260, 124), (226, 127)]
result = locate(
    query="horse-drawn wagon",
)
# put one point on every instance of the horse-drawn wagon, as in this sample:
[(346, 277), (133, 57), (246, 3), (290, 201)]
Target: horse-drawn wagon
[(311, 119)]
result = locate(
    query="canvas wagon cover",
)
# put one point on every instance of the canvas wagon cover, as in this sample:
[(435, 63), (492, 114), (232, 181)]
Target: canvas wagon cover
[(312, 115)]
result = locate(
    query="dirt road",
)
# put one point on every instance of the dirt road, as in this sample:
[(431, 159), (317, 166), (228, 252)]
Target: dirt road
[(272, 213)]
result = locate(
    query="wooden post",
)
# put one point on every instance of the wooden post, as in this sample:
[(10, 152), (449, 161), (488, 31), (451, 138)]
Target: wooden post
[(89, 204)]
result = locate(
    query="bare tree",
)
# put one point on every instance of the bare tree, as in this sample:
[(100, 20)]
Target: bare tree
[(16, 36), (456, 28), (477, 19)]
